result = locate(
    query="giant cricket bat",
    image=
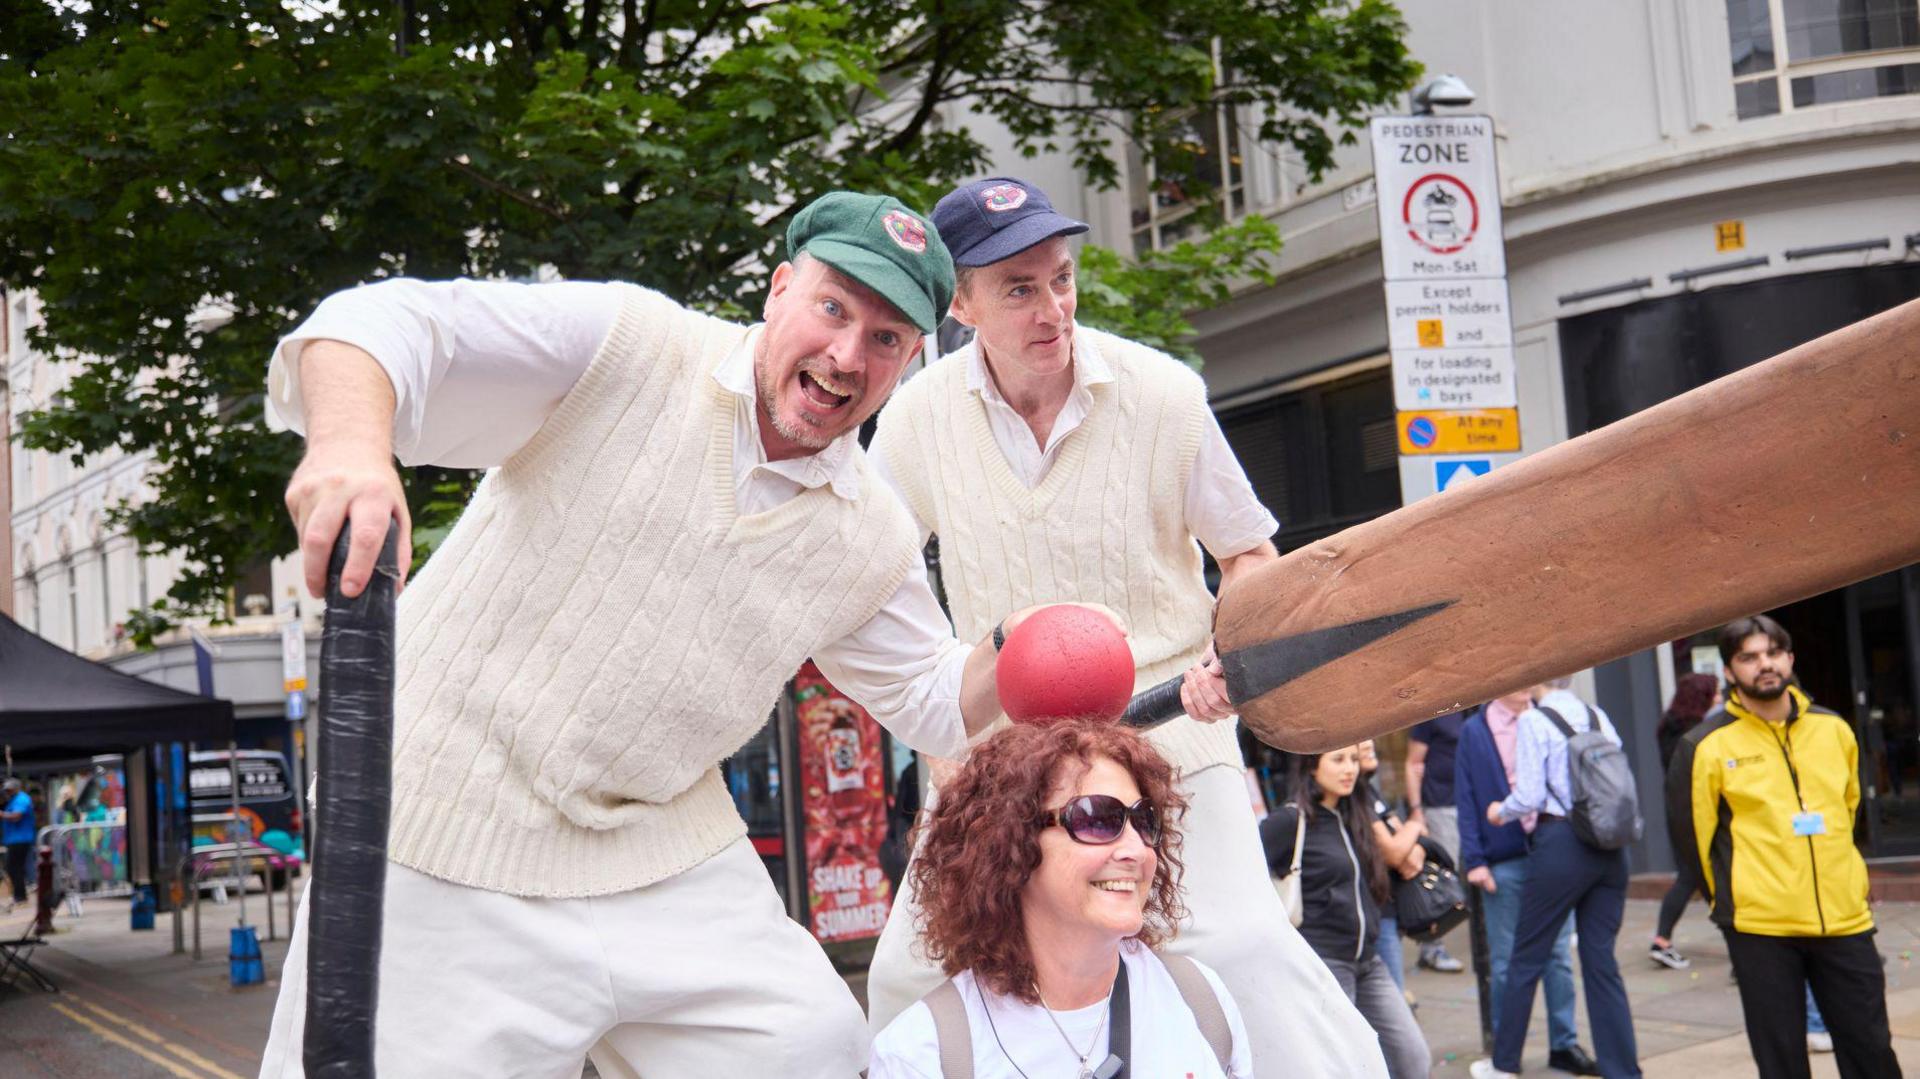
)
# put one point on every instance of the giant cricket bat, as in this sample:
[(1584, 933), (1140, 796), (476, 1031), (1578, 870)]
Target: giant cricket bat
[(1789, 478)]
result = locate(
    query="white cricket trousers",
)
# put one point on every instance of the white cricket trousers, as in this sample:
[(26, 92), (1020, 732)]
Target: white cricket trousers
[(1298, 1019), (701, 974)]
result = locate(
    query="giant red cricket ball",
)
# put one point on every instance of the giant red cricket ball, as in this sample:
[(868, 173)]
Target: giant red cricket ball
[(1064, 661)]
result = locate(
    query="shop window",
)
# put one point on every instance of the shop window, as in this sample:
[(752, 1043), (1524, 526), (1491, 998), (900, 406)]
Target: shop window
[(1833, 51), (1321, 458)]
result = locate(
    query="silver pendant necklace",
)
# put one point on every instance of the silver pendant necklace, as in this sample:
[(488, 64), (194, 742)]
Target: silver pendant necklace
[(1086, 1071)]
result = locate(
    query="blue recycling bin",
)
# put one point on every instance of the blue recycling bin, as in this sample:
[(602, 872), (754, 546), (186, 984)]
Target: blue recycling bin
[(142, 909), (243, 957)]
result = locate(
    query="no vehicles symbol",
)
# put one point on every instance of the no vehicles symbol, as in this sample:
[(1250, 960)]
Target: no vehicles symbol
[(1421, 432), (1440, 213)]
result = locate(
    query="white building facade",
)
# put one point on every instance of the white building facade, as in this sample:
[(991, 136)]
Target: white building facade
[(1689, 186)]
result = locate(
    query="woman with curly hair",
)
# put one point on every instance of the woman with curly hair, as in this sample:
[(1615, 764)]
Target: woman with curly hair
[(1343, 884), (1046, 874)]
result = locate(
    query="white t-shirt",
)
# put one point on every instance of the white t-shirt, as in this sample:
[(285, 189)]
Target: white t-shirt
[(1011, 1038)]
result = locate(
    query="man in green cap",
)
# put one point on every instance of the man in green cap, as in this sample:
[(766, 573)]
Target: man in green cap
[(678, 515)]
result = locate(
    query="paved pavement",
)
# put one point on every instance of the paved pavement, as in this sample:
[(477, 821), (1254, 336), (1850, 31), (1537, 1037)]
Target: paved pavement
[(131, 1009)]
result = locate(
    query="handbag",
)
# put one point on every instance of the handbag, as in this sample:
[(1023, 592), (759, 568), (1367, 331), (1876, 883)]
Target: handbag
[(1431, 902), (1289, 885)]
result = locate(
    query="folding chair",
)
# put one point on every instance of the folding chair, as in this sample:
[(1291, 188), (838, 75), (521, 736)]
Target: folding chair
[(16, 960)]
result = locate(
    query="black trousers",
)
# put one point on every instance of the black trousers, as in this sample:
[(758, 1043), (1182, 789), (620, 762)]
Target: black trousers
[(1674, 903), (1849, 985), (19, 857)]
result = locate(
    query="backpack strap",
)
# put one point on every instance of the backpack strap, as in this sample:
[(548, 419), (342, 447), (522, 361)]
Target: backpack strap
[(1198, 992), (950, 1027), (1557, 720)]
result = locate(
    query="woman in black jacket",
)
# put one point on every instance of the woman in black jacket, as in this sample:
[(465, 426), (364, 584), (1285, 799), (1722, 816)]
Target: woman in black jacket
[(1343, 882)]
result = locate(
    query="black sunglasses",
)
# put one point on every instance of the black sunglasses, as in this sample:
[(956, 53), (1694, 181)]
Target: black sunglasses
[(1098, 819)]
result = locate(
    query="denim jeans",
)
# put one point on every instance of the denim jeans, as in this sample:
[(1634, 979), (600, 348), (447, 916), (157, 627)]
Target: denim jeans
[(1502, 908), (1815, 1024), (1387, 947)]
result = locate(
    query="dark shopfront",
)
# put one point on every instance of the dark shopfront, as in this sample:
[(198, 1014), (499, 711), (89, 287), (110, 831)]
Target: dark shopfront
[(1856, 649)]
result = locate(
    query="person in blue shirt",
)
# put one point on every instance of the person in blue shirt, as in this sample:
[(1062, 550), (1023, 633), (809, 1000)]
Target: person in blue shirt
[(16, 833), (1493, 858), (1564, 874)]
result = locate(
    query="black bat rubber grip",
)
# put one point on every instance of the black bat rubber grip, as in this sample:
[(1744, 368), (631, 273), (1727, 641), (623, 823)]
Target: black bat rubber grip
[(350, 820), (1155, 705)]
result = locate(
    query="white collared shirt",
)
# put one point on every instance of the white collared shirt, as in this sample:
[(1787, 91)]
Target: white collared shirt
[(1221, 509), (478, 366)]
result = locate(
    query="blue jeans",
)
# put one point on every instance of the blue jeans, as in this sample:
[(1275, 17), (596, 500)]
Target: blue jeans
[(1567, 875), (1815, 1024), (1387, 947), (1502, 908)]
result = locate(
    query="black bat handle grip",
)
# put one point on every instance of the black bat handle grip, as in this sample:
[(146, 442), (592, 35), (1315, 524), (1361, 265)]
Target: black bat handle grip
[(351, 813), (1155, 705)]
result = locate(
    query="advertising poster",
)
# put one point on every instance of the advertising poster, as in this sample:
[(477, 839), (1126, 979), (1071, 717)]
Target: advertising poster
[(844, 811)]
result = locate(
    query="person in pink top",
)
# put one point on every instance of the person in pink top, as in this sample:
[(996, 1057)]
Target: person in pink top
[(1494, 859)]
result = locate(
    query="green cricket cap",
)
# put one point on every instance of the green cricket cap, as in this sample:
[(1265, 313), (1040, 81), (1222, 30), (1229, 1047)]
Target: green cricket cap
[(878, 242)]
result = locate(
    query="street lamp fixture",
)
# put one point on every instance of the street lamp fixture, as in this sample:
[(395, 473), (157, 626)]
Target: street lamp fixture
[(1449, 90)]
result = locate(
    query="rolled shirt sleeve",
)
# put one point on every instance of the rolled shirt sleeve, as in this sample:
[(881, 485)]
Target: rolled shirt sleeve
[(476, 366), (1222, 511), (905, 666)]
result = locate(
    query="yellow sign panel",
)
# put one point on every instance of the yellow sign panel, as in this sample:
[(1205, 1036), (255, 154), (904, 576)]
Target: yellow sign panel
[(296, 684), (1431, 333), (1483, 430), (1730, 236)]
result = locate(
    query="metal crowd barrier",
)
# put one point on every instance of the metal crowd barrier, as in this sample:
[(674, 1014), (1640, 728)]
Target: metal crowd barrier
[(189, 871), (89, 859)]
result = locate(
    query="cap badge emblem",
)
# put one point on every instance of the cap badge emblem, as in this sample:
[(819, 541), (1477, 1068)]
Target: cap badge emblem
[(1003, 197), (905, 230)]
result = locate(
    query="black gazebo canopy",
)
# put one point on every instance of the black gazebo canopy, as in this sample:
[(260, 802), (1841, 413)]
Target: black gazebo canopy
[(51, 699)]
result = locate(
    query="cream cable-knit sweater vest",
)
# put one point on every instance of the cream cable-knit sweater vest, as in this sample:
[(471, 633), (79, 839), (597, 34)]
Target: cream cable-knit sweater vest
[(1105, 525), (601, 628)]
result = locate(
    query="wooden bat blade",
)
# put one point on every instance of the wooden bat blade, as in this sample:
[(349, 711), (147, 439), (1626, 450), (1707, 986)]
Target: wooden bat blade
[(1789, 478)]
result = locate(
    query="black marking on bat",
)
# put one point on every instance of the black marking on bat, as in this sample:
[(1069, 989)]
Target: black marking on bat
[(1261, 668)]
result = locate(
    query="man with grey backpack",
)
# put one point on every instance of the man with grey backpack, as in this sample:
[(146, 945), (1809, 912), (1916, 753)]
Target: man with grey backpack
[(1571, 771)]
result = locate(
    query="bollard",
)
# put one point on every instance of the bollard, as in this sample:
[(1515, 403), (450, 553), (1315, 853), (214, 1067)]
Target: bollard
[(244, 966), (140, 914), (43, 918)]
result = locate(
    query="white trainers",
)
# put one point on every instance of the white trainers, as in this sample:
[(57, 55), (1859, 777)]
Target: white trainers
[(1484, 1069), (1668, 957), (1819, 1041)]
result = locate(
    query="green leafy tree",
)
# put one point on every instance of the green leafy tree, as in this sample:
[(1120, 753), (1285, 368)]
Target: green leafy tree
[(181, 180)]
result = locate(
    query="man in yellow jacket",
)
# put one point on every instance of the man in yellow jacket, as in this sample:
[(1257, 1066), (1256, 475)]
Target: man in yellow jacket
[(1775, 785)]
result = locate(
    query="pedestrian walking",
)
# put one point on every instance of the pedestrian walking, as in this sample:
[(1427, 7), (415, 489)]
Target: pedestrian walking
[(1694, 697), (1495, 860), (1565, 874), (1343, 886), (1430, 751), (16, 834), (1404, 839), (1775, 790)]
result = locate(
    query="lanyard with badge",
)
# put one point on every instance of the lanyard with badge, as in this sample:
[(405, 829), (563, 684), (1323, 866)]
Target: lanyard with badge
[(1119, 1037)]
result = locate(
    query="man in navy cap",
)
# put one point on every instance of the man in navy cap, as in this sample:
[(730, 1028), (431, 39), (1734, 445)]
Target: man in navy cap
[(1058, 462)]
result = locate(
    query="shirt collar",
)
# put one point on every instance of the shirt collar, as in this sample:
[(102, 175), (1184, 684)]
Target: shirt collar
[(1089, 367), (1500, 717), (832, 465)]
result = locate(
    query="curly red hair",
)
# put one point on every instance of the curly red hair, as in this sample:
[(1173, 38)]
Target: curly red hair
[(981, 843)]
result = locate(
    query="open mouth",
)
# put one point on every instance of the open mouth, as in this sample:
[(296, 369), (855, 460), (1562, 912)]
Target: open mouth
[(823, 392), (1124, 887)]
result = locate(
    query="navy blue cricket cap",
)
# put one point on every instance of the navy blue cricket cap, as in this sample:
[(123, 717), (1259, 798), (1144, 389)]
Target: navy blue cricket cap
[(997, 218)]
